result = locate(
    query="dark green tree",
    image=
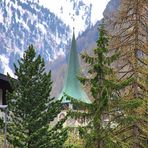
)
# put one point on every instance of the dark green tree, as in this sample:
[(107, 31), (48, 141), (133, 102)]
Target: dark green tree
[(103, 116), (31, 109)]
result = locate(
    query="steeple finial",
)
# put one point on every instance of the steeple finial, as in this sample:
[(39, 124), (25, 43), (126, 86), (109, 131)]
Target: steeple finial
[(73, 29)]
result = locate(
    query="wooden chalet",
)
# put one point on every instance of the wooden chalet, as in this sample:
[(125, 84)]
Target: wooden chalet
[(4, 87)]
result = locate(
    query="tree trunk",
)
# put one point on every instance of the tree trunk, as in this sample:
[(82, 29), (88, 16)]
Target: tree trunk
[(135, 136), (98, 143)]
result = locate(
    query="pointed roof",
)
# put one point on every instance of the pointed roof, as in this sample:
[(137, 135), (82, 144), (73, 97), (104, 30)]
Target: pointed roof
[(72, 86)]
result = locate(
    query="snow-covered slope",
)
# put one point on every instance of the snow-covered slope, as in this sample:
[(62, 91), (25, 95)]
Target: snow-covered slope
[(85, 12), (22, 23), (44, 23)]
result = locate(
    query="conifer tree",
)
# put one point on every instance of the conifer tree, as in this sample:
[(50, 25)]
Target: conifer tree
[(128, 31), (102, 117), (31, 109)]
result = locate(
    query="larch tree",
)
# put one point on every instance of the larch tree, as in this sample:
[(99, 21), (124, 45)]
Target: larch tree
[(101, 118), (128, 32), (31, 109)]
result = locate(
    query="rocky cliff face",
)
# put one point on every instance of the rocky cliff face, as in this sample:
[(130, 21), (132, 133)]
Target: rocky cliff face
[(111, 8), (88, 38)]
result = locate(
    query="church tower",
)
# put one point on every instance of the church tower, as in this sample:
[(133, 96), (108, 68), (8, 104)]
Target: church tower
[(72, 86)]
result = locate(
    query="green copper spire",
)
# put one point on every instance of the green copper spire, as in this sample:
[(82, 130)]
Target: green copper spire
[(72, 86)]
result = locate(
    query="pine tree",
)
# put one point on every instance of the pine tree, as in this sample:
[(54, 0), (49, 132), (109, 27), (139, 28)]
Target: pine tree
[(102, 117), (31, 108), (128, 31)]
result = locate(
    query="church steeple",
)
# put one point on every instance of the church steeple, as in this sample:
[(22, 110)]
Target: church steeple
[(72, 86)]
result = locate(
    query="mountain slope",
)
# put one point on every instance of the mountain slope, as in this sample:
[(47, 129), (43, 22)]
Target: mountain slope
[(47, 27), (23, 23), (85, 12)]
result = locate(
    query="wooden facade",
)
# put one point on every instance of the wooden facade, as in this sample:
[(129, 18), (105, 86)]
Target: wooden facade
[(4, 87)]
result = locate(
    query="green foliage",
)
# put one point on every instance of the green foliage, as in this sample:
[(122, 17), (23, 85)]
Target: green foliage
[(105, 89), (31, 109), (74, 140), (1, 123)]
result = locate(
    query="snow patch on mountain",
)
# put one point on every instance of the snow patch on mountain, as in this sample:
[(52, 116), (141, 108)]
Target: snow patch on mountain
[(5, 66), (1, 17), (85, 13)]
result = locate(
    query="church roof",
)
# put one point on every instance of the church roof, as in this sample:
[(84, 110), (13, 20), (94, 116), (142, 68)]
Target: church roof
[(72, 86)]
